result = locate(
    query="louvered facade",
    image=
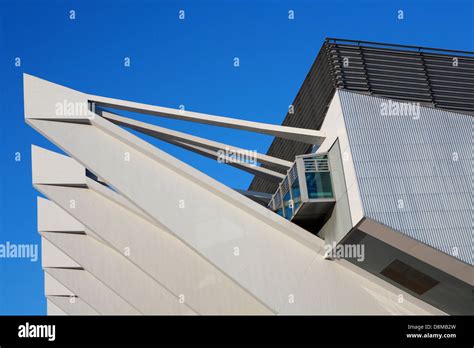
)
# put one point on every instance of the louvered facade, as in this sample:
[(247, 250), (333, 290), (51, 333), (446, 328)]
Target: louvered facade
[(434, 77)]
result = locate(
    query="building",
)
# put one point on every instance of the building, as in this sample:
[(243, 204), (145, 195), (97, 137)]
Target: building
[(362, 205)]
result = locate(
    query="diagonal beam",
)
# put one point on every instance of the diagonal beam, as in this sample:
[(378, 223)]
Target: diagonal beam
[(78, 307), (309, 136), (183, 140), (165, 133), (264, 173), (259, 196)]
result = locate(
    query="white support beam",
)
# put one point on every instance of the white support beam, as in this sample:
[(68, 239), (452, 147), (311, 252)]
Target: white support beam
[(52, 287), (264, 173), (52, 309), (91, 290), (262, 196), (167, 134), (118, 273), (49, 167), (75, 306), (204, 147), (47, 100), (309, 136), (163, 257)]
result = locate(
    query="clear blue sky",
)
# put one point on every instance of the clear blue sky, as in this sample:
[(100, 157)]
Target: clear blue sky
[(177, 62)]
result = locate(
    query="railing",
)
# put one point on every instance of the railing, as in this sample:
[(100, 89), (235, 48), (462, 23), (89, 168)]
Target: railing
[(316, 163), (308, 180), (388, 45), (438, 77)]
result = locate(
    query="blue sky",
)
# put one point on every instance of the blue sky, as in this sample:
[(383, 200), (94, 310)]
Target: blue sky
[(178, 62)]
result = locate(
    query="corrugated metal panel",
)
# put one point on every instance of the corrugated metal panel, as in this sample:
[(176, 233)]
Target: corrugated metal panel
[(415, 172), (401, 72)]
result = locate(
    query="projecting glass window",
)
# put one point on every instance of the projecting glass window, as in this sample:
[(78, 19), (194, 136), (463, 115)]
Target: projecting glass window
[(319, 184), (278, 205), (295, 191), (280, 211), (288, 205)]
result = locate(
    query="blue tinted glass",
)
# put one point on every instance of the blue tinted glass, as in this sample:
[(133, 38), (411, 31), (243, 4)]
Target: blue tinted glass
[(288, 206), (295, 191), (319, 185)]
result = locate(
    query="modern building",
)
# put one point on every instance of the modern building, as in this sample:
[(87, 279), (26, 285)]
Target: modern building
[(362, 205)]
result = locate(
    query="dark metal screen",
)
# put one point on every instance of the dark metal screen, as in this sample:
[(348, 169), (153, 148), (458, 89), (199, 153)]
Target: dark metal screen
[(434, 77)]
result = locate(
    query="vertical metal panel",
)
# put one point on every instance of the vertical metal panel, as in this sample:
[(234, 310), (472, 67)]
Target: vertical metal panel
[(415, 172), (428, 75)]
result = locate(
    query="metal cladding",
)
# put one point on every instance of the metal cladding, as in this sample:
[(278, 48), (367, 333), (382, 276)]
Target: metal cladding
[(414, 170), (434, 77)]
